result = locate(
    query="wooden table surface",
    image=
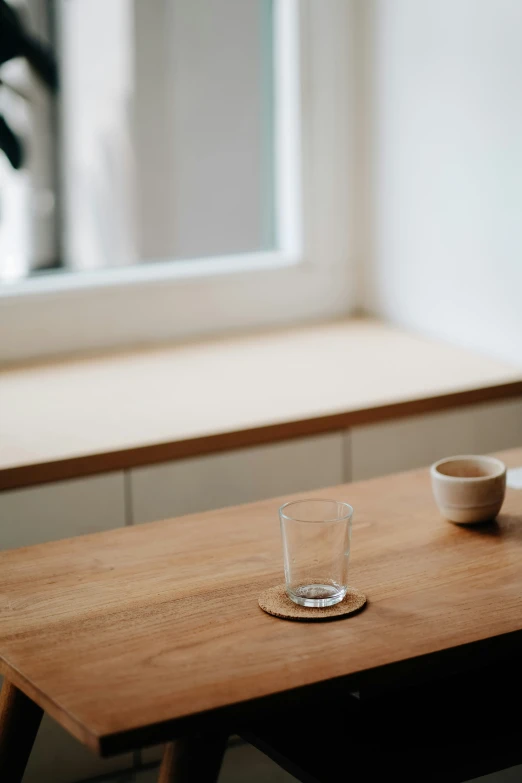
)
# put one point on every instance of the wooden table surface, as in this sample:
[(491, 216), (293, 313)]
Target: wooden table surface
[(123, 636)]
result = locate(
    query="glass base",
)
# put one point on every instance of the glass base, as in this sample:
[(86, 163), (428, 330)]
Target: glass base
[(317, 595)]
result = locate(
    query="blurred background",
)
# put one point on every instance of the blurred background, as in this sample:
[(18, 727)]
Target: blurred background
[(375, 144), (142, 143), (223, 215)]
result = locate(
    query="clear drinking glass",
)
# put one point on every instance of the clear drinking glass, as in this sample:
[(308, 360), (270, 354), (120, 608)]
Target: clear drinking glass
[(316, 548)]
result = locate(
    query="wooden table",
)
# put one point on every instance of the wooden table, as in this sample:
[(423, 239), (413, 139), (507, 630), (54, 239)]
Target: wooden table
[(149, 633)]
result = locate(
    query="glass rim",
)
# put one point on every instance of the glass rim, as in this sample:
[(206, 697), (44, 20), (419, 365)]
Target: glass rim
[(343, 518)]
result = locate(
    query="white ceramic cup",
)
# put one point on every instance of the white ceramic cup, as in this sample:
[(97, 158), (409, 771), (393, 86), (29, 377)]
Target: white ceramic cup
[(469, 488)]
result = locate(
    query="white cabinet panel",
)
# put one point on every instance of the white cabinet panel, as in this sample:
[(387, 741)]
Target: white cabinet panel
[(45, 513), (241, 476), (60, 510), (416, 441)]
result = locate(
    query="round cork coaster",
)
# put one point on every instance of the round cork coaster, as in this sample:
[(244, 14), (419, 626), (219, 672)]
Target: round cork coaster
[(275, 601)]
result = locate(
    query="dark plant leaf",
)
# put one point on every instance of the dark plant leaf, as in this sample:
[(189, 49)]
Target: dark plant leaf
[(11, 145), (15, 41)]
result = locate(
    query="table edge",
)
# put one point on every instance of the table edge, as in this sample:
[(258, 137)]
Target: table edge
[(63, 717), (470, 656)]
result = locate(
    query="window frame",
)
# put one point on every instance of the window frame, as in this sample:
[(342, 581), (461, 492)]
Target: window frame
[(310, 277)]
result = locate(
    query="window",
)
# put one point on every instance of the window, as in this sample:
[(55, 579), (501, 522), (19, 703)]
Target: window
[(205, 174), (177, 107)]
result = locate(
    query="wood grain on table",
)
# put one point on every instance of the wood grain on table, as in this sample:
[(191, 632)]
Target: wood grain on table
[(122, 635), (79, 417)]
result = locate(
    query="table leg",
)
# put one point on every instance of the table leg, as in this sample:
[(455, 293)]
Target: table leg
[(19, 721), (193, 758)]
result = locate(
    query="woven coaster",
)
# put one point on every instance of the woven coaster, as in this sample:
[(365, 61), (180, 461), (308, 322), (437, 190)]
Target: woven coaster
[(275, 601)]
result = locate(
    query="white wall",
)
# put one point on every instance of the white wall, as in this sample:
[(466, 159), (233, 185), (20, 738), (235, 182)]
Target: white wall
[(444, 141)]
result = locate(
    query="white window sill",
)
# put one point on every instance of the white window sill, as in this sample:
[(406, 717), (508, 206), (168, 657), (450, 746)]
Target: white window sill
[(73, 418)]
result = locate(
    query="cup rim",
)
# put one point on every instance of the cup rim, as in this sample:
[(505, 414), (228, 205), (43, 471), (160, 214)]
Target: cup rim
[(498, 468), (347, 516)]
